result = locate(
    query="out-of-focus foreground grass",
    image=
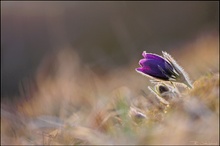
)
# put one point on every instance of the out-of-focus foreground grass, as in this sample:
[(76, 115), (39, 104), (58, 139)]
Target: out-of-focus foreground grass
[(70, 104)]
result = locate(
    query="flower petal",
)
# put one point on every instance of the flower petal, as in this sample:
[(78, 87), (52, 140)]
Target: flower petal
[(167, 65), (152, 56), (153, 67), (141, 62)]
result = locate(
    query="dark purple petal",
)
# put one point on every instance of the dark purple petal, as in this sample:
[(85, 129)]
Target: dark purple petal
[(150, 67), (140, 69), (152, 56), (141, 62), (158, 58), (155, 66)]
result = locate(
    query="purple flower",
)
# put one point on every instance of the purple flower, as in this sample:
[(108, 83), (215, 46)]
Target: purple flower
[(162, 68)]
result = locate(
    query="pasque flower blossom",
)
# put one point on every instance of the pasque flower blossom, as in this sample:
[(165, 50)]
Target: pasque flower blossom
[(162, 68)]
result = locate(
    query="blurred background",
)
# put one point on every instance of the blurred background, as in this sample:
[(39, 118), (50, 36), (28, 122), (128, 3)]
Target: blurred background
[(104, 35)]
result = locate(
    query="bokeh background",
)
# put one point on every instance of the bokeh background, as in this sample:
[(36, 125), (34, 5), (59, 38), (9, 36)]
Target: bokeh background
[(104, 35)]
